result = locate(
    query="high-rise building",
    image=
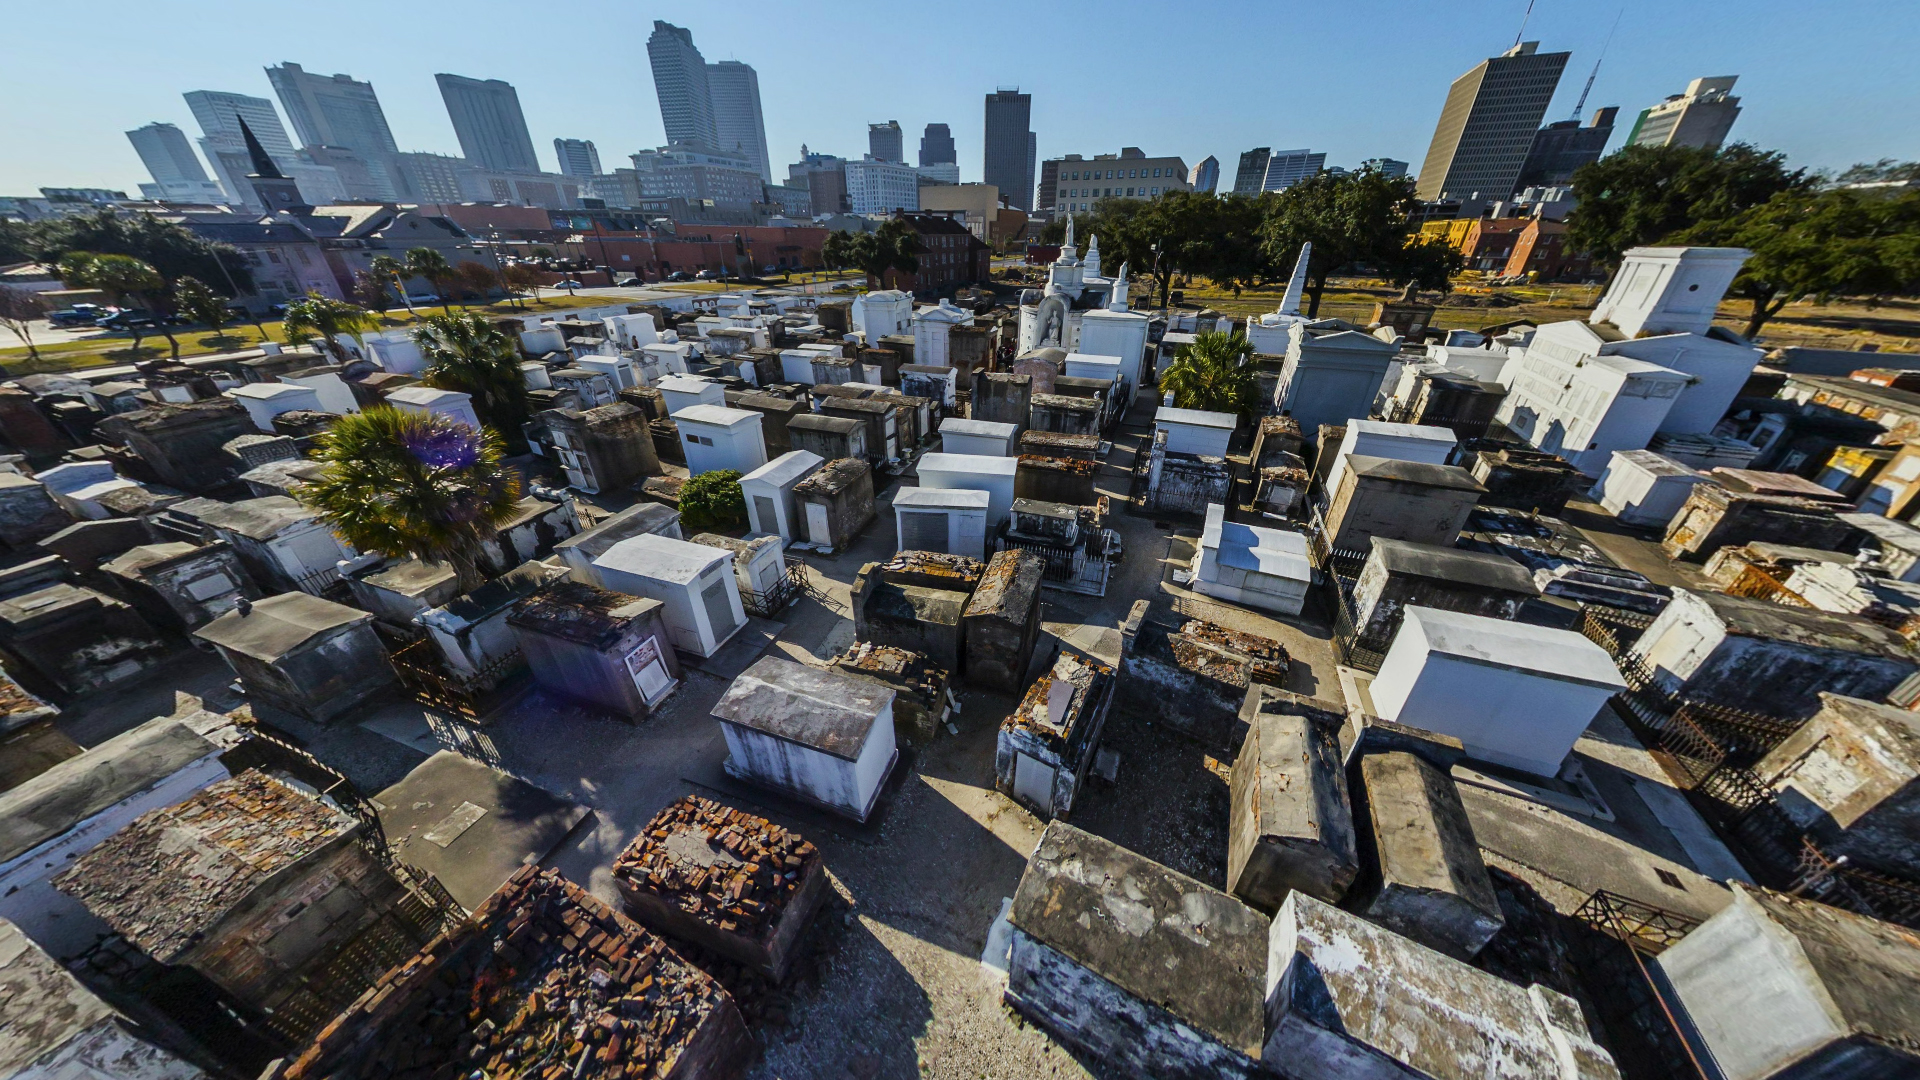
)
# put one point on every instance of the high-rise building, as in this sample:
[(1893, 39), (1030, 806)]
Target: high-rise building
[(1005, 159), (1700, 117), (1488, 124), (1286, 168), (738, 124), (1075, 183), (1252, 171), (169, 158), (1385, 166), (881, 187), (825, 178), (1205, 176), (578, 157), (680, 82), (886, 142), (1563, 146), (331, 110), (936, 146), (688, 172), (488, 122), (219, 114), (165, 151)]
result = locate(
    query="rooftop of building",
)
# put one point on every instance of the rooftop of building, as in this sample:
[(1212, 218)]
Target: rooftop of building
[(835, 476), (581, 612), (1452, 564), (1413, 472), (821, 710), (1155, 933), (269, 629), (576, 976), (660, 558), (718, 863), (171, 877)]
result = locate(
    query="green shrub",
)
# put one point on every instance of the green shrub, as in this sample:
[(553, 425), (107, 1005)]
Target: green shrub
[(713, 498)]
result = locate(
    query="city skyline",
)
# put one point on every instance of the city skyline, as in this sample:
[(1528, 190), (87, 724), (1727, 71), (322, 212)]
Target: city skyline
[(76, 138)]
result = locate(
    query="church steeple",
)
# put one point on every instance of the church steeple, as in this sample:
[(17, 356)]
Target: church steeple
[(263, 165), (275, 190)]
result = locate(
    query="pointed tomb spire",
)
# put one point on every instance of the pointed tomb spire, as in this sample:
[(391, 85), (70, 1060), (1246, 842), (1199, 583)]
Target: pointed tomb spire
[(1297, 285)]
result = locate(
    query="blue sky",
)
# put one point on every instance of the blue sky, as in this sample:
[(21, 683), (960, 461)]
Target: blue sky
[(1830, 83)]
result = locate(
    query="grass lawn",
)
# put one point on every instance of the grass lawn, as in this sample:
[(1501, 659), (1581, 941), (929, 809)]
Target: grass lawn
[(1892, 326), (118, 349)]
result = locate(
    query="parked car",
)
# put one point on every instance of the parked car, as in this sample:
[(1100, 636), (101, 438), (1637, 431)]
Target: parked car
[(679, 275), (79, 315), (629, 283), (567, 284), (128, 319), (424, 298), (708, 275)]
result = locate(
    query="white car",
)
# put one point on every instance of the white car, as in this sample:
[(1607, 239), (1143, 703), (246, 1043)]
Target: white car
[(567, 284)]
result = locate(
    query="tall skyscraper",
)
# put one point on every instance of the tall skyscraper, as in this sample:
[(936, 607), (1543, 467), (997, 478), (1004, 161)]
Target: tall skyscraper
[(165, 151), (680, 82), (578, 157), (1206, 175), (1007, 158), (936, 146), (219, 114), (1563, 146), (737, 120), (1700, 117), (1252, 171), (886, 142), (1286, 168), (170, 160), (488, 122), (1033, 164), (1488, 124), (1385, 166), (331, 110)]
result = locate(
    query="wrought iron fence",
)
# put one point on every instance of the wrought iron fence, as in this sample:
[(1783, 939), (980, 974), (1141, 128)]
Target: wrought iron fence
[(429, 682), (1070, 569), (1647, 1033), (1710, 751), (792, 586)]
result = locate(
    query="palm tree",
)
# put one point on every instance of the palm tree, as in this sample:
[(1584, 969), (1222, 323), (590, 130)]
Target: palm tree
[(388, 266), (321, 318), (427, 263), (1214, 374), (467, 353), (415, 484)]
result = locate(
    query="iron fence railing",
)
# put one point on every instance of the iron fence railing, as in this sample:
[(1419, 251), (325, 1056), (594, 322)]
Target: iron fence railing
[(1710, 751), (1648, 1036)]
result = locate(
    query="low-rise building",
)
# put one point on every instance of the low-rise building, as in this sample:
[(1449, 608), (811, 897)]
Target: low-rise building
[(314, 658), (823, 737), (1047, 745)]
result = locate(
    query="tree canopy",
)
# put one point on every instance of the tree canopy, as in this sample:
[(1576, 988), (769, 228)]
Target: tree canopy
[(1644, 194), (1806, 243), (465, 352), (413, 484), (892, 247), (170, 249), (320, 318)]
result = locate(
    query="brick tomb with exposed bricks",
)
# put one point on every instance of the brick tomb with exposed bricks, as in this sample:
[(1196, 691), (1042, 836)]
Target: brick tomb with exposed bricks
[(545, 981), (723, 879)]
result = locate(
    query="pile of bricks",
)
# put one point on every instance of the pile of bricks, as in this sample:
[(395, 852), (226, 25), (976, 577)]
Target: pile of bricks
[(1230, 656), (544, 982), (748, 871), (921, 701)]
